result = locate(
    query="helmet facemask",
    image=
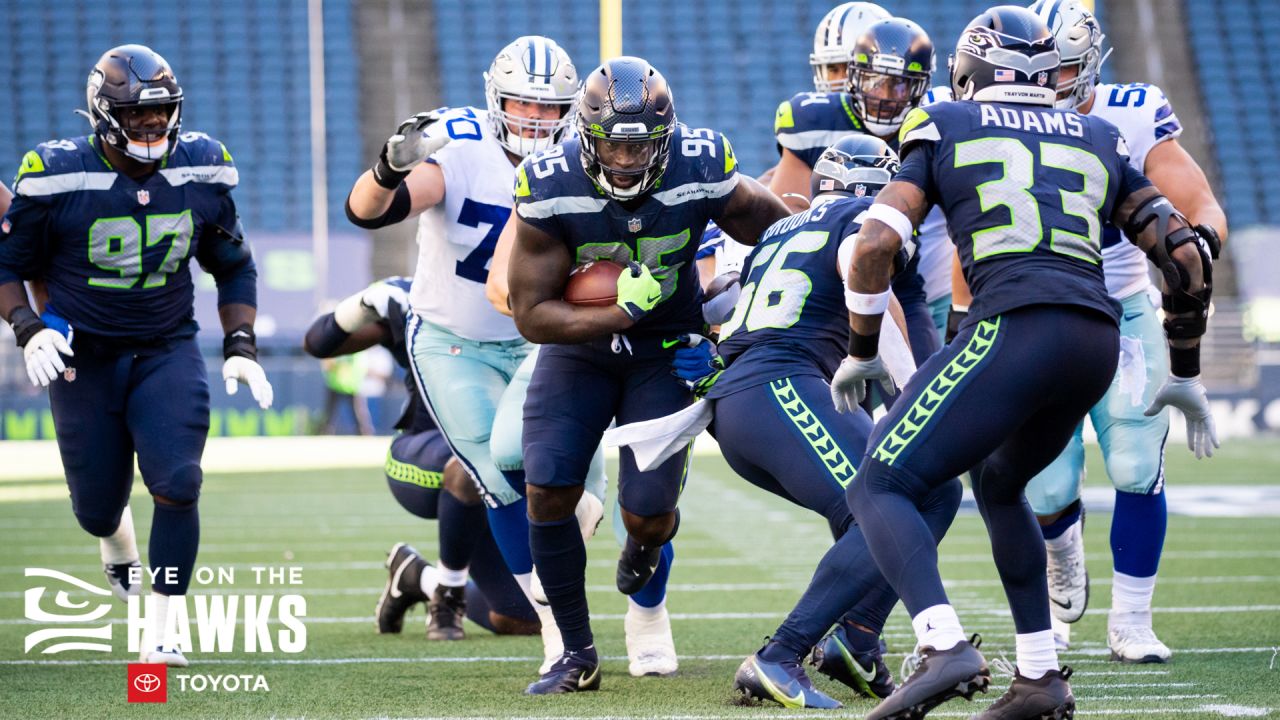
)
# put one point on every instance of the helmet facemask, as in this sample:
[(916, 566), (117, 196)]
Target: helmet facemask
[(1076, 91), (834, 39), (882, 97), (646, 155), (532, 69), (523, 136), (140, 80)]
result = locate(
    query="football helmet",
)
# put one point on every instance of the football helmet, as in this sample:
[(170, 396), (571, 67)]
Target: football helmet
[(129, 77), (889, 73), (627, 107), (1079, 38), (858, 165), (834, 38), (1006, 54), (533, 69)]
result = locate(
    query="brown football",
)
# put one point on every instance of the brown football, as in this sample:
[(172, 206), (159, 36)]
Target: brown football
[(593, 284)]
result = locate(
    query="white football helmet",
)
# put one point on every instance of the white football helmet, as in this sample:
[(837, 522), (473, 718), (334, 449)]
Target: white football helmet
[(534, 69), (833, 40), (1079, 38)]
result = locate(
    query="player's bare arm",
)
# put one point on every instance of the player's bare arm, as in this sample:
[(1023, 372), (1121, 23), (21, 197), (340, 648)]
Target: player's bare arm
[(750, 211), (401, 185), (540, 266), (1177, 175), (876, 247), (791, 177), (496, 288)]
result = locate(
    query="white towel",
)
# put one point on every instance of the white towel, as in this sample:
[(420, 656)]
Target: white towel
[(653, 441)]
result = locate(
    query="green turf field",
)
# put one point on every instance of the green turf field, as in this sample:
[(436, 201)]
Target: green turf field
[(743, 558)]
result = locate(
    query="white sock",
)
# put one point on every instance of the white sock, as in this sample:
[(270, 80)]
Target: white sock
[(645, 613), (161, 621), (428, 580), (525, 580), (1131, 599), (120, 547), (452, 578), (1037, 654), (1066, 539), (939, 628)]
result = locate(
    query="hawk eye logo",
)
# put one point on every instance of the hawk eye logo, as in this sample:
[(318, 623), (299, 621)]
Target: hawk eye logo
[(148, 683)]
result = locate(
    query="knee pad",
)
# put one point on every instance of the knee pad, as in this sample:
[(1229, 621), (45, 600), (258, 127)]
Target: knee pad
[(1137, 469), (505, 441), (181, 487)]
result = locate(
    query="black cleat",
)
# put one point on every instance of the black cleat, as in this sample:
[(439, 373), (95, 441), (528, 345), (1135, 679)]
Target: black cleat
[(573, 672), (403, 589), (1046, 698), (636, 565), (784, 683), (119, 581), (447, 608), (865, 672), (941, 675)]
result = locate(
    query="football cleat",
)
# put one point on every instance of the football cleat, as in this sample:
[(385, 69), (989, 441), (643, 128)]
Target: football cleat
[(171, 656), (865, 672), (1068, 577), (636, 565), (403, 589), (445, 611), (118, 579), (650, 648), (939, 676), (552, 643), (573, 672), (1136, 644), (1045, 698), (783, 683)]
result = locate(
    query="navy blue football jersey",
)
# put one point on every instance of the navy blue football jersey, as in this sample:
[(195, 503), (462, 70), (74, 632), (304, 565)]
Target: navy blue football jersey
[(1026, 191), (663, 230), (811, 122), (791, 319), (114, 251)]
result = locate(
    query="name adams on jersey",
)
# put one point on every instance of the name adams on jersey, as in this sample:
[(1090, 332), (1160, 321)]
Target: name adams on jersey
[(114, 250), (662, 229)]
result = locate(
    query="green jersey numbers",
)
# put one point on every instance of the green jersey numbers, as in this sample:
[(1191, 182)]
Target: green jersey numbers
[(121, 246), (1013, 190), (775, 297), (654, 252)]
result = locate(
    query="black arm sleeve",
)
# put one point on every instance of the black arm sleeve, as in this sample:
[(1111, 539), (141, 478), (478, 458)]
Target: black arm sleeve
[(324, 337), (401, 202)]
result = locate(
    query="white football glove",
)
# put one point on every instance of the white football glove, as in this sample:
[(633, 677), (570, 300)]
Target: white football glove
[(379, 296), (410, 145), (239, 369), (1187, 394), (849, 385), (43, 353)]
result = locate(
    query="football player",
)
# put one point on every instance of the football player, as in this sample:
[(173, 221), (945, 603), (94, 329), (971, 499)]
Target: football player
[(888, 73), (455, 169), (637, 188), (109, 223), (1132, 442), (429, 482), (833, 41), (776, 426), (1039, 346)]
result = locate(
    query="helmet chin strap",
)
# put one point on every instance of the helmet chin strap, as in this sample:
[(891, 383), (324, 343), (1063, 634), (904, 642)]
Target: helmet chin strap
[(143, 152), (881, 130)]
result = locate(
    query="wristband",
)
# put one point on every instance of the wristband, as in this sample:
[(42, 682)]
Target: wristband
[(25, 324), (240, 342), (864, 346), (1184, 362), (866, 304), (892, 217), (385, 175)]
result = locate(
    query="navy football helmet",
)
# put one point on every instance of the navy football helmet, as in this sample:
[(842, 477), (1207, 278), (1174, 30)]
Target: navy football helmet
[(857, 165), (125, 79), (1006, 54), (889, 72), (626, 117)]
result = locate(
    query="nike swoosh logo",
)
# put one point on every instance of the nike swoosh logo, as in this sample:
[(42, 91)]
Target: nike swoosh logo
[(1064, 605), (585, 680), (782, 698), (868, 675), (654, 298), (395, 579), (1134, 316), (666, 344)]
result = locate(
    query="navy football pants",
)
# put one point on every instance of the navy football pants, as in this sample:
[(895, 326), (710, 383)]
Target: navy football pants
[(1006, 394)]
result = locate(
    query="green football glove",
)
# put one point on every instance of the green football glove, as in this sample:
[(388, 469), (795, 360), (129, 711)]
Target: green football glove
[(638, 291)]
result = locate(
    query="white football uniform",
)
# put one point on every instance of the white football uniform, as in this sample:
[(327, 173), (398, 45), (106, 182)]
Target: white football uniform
[(1145, 119), (456, 238)]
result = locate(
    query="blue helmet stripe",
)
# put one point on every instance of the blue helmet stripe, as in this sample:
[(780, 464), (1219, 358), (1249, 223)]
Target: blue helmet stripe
[(840, 26), (546, 49), (532, 62)]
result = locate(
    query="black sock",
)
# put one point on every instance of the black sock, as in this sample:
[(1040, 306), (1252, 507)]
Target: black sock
[(561, 559), (175, 537), (461, 527)]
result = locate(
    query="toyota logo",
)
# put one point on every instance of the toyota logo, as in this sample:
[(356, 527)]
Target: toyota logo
[(146, 683)]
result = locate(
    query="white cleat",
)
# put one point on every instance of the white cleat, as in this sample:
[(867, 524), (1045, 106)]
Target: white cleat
[(171, 656), (589, 511), (118, 579), (1068, 578), (650, 647), (552, 643), (1061, 633), (1136, 644)]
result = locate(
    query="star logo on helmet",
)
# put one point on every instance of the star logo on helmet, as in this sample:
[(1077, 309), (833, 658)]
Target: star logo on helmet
[(634, 224), (144, 197)]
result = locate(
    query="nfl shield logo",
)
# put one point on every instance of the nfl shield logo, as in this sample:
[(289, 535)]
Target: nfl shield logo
[(69, 374), (859, 190), (1042, 78), (633, 224), (144, 197)]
